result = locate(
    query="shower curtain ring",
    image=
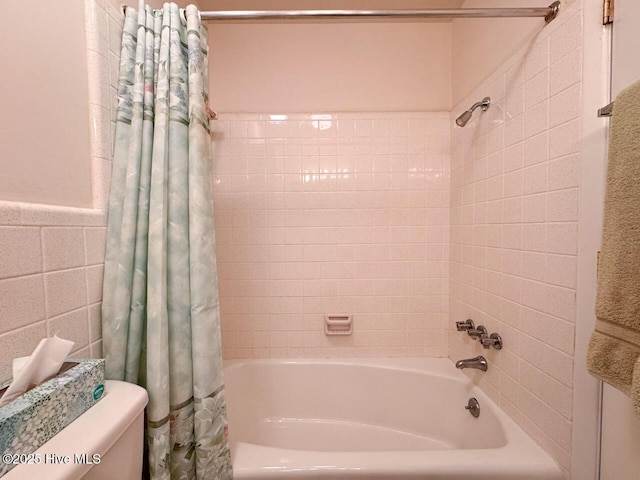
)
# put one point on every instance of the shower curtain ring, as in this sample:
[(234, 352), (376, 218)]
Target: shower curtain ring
[(212, 115)]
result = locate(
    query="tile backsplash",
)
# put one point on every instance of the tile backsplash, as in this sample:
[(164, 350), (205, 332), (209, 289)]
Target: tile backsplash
[(332, 213)]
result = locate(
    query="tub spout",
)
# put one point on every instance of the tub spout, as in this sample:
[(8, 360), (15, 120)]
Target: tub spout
[(478, 362)]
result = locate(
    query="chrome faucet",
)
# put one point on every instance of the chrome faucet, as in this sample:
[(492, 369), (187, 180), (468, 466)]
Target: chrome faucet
[(478, 362), (477, 333), (494, 340)]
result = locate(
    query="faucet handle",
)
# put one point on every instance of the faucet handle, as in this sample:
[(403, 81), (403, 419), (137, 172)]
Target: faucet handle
[(494, 340), (477, 333), (465, 326)]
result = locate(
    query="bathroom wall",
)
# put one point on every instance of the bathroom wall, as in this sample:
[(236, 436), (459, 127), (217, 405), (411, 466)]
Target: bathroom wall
[(50, 278), (480, 46), (349, 213), (514, 212), (327, 67), (51, 257), (330, 65), (332, 213), (44, 121)]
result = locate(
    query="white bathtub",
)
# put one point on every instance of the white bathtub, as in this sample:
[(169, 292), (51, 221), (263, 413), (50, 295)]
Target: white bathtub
[(375, 419)]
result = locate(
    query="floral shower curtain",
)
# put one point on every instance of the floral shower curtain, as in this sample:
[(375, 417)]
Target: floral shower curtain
[(161, 323)]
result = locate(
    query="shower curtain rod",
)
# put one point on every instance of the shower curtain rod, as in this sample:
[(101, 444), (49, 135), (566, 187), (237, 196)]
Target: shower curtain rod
[(549, 13)]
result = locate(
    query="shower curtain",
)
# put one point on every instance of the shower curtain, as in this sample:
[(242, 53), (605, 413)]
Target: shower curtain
[(160, 315)]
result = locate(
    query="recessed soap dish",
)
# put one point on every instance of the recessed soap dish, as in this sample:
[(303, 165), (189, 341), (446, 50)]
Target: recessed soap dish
[(338, 324)]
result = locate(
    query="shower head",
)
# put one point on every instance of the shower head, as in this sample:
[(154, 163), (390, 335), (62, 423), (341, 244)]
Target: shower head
[(462, 120)]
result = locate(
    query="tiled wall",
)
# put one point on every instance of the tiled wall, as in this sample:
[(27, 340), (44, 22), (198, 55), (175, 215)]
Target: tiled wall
[(50, 278), (514, 212), (332, 213), (51, 258), (104, 23)]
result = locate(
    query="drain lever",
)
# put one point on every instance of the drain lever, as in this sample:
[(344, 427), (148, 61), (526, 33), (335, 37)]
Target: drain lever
[(474, 407)]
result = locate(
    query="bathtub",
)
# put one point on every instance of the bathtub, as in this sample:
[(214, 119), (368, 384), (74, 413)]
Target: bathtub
[(374, 419)]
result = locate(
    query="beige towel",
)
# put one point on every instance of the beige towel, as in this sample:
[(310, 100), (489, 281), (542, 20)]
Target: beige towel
[(614, 349)]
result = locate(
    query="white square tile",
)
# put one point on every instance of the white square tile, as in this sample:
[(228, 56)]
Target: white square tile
[(567, 38), (99, 133), (94, 283), (515, 102), (562, 270), (9, 213), (534, 266), (96, 27), (94, 244), (513, 183), (536, 149), (562, 238), (564, 172), (100, 182), (537, 59), (20, 251), (537, 89), (534, 208), (63, 247), (535, 179), (514, 130), (566, 71), (65, 291), (564, 139), (563, 205), (72, 326), (98, 70), (514, 157), (561, 302), (19, 343), (22, 302), (565, 106), (95, 322), (536, 119)]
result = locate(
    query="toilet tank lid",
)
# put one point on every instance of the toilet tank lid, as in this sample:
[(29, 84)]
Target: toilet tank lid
[(107, 420), (93, 432)]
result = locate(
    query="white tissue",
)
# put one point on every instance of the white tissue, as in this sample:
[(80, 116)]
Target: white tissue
[(43, 364)]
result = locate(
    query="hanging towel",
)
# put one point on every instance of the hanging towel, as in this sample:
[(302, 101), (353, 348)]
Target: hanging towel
[(614, 348)]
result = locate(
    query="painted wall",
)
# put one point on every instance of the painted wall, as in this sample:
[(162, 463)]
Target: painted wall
[(51, 257), (329, 66), (514, 224), (620, 422), (480, 46), (44, 121), (587, 394), (342, 213)]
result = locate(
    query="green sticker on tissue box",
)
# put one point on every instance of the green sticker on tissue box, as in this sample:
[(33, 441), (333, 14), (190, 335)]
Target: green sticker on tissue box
[(97, 393)]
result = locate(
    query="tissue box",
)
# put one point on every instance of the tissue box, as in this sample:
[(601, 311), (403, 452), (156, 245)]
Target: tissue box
[(37, 415)]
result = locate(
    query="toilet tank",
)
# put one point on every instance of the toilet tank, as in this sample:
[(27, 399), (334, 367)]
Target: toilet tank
[(111, 433)]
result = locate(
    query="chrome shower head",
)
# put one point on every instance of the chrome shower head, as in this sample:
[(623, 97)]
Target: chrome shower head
[(462, 120)]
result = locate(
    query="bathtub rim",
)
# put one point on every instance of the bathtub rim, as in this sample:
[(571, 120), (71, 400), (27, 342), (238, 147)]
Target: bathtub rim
[(251, 457)]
